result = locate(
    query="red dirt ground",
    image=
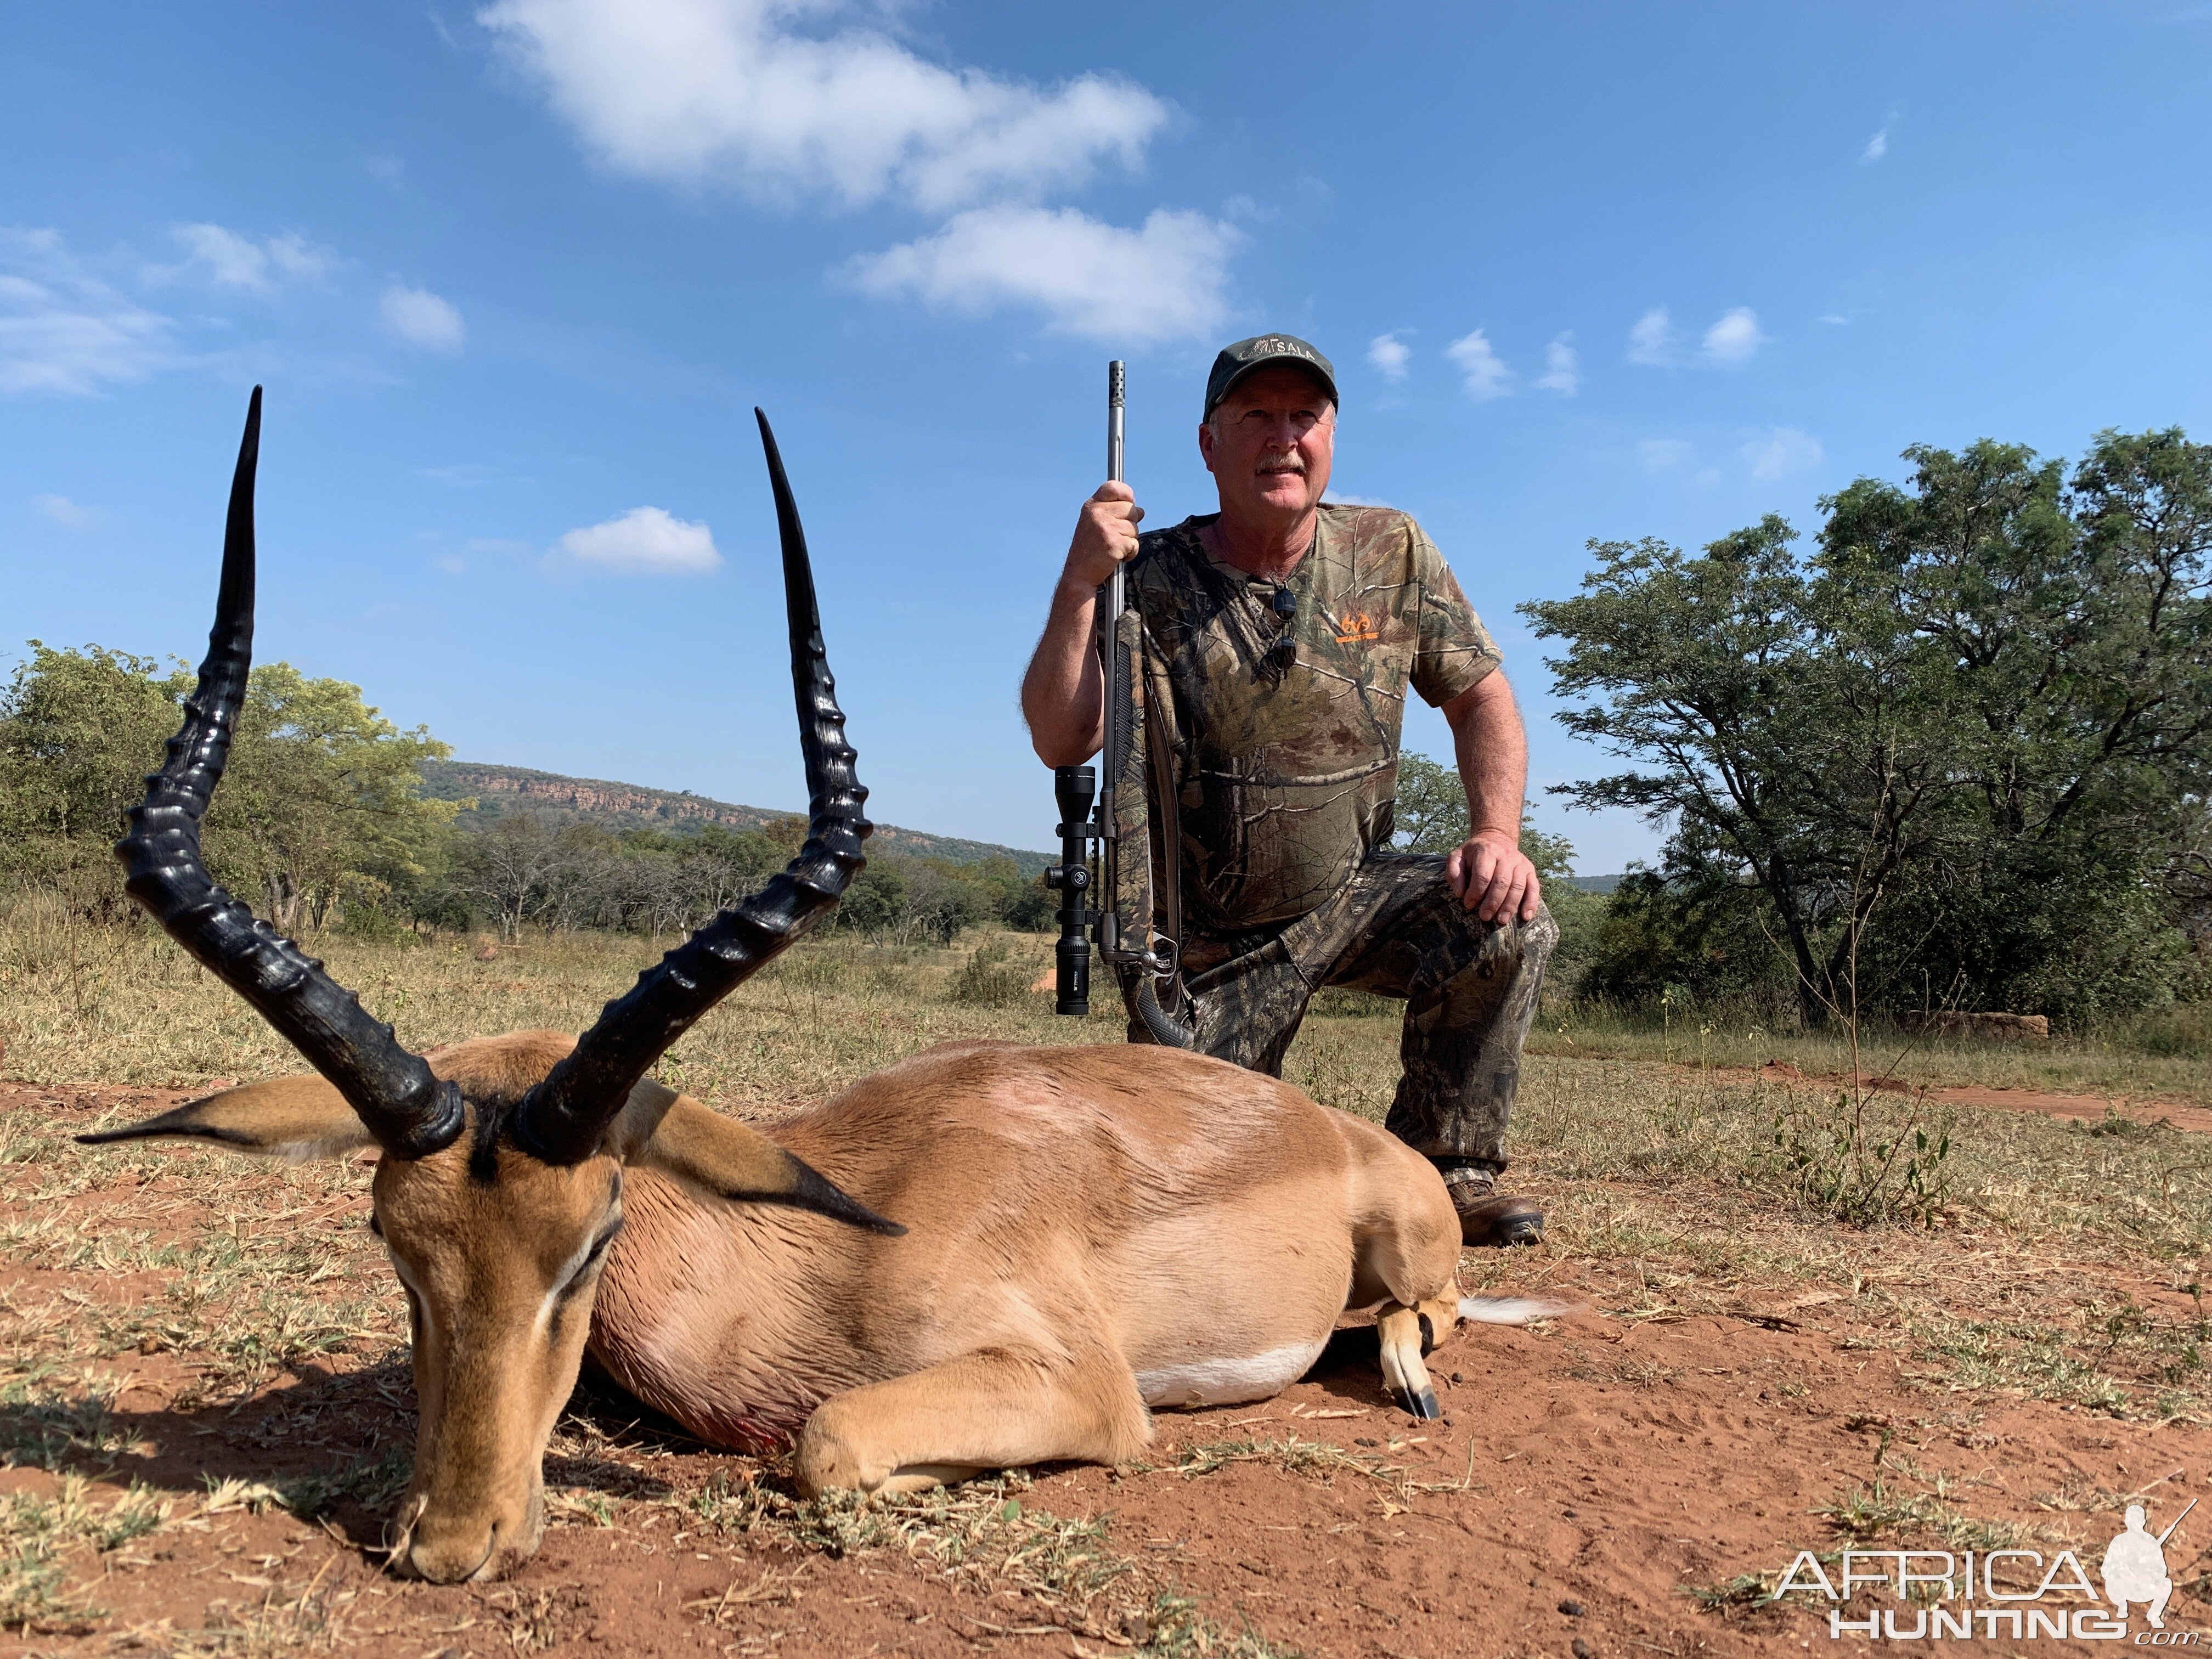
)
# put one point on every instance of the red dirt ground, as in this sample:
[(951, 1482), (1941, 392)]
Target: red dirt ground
[(1589, 1477)]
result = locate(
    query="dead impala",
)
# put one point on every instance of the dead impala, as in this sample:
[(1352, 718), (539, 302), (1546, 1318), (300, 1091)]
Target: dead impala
[(1081, 1234)]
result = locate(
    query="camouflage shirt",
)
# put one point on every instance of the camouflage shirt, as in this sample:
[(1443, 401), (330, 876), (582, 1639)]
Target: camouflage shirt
[(1286, 759)]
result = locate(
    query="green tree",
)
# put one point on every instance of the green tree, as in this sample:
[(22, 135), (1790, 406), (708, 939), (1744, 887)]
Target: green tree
[(2066, 626), (320, 805), (1954, 752), (79, 730), (322, 798), (1431, 816), (1430, 808)]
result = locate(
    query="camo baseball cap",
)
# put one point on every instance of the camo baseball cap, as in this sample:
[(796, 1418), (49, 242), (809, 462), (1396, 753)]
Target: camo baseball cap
[(1237, 361)]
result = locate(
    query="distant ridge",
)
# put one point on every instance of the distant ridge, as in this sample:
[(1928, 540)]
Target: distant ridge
[(501, 789)]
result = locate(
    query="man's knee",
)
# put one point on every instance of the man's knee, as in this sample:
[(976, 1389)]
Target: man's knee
[(1526, 945), (1539, 938)]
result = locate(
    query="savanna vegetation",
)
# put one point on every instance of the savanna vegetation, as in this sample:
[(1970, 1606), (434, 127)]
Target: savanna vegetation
[(258, 1308), (1950, 755), (1954, 754), (323, 825)]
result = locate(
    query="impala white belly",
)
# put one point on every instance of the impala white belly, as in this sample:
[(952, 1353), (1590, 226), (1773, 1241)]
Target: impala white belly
[(1229, 1382)]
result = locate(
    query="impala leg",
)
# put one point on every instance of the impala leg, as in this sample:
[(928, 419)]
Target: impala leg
[(1407, 1333), (984, 1411)]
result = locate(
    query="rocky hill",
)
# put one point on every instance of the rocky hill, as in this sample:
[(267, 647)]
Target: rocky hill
[(501, 789)]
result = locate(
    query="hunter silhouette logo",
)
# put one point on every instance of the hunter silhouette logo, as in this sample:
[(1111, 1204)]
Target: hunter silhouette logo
[(2134, 1568), (1358, 629), (1915, 1596)]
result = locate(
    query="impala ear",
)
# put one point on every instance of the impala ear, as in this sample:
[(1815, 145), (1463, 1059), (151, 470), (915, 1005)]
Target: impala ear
[(660, 1130), (295, 1118)]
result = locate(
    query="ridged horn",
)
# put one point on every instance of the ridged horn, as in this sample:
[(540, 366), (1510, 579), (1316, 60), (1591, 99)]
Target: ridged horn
[(563, 1118), (411, 1113)]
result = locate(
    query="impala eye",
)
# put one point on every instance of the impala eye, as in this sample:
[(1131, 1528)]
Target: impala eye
[(593, 1256)]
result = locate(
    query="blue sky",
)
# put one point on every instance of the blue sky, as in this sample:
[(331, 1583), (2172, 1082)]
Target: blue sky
[(514, 277)]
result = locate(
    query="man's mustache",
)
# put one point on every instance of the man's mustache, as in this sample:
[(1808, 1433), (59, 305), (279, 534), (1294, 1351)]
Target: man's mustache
[(1291, 463)]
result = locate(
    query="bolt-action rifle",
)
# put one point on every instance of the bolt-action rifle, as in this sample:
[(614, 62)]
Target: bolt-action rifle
[(1127, 939)]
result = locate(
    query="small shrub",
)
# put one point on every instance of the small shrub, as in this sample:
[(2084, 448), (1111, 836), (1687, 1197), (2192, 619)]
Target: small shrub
[(987, 979), (1848, 1158), (812, 970)]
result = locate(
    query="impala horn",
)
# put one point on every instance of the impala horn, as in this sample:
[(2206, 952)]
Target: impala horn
[(411, 1113), (562, 1119)]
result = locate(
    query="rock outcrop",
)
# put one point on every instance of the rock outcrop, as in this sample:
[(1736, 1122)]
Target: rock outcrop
[(1997, 1028)]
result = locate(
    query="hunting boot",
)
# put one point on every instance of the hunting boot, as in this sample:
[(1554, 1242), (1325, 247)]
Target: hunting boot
[(1486, 1217)]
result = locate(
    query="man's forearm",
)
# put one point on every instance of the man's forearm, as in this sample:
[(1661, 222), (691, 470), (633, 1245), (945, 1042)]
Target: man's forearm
[(1061, 694), (1492, 752)]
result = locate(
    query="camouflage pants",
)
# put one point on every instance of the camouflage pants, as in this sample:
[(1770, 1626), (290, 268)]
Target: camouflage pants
[(1394, 928)]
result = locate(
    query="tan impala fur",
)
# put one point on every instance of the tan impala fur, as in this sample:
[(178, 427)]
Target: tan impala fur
[(1091, 1231), (987, 1255)]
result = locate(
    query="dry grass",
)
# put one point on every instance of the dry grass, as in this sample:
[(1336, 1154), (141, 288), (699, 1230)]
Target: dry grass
[(2061, 1263), (139, 1012), (2165, 1059), (43, 1539)]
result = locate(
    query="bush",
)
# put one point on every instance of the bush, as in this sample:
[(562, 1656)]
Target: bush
[(988, 979)]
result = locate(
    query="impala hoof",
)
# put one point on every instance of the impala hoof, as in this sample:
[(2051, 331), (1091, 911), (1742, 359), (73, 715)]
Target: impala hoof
[(1422, 1405)]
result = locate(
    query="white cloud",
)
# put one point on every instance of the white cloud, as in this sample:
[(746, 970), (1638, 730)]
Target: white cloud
[(230, 260), (1480, 369), (1562, 370), (64, 511), (1876, 147), (1386, 354), (699, 90), (387, 168), (452, 563), (1651, 342), (1662, 454), (1163, 280), (1338, 498), (1781, 452), (644, 542), (1735, 337), (421, 317), (62, 328), (1835, 319)]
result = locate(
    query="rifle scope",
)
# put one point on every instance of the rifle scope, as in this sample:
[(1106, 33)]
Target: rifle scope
[(1074, 787)]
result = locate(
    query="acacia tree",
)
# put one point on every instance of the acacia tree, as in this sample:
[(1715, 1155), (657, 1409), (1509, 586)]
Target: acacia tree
[(514, 867), (1777, 745), (2066, 624), (1983, 706)]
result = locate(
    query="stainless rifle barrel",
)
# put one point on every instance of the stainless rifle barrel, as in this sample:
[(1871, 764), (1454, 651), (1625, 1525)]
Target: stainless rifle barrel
[(1109, 636)]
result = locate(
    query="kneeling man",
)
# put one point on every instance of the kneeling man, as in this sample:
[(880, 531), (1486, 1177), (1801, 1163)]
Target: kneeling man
[(1286, 633)]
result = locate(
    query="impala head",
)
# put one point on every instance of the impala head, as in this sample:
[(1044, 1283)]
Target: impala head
[(500, 1187)]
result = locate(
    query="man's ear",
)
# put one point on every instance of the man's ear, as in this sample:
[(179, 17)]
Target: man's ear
[(673, 1134), (293, 1118)]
